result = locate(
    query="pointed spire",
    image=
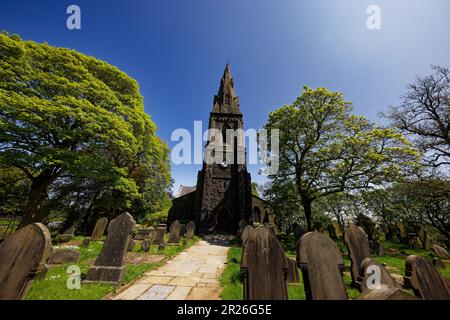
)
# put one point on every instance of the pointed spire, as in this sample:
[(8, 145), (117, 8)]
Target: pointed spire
[(226, 100)]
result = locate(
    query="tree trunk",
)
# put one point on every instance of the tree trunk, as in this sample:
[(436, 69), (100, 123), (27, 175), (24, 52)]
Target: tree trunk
[(308, 212), (36, 196)]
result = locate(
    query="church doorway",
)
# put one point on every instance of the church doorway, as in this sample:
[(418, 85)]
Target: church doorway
[(223, 220)]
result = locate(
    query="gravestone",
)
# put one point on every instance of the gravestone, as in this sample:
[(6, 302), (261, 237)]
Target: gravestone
[(143, 234), (246, 232), (174, 235), (109, 266), (402, 232), (424, 279), (386, 293), (332, 232), (131, 244), (23, 255), (358, 249), (64, 256), (190, 230), (293, 275), (145, 246), (99, 229), (159, 234), (85, 243), (322, 265), (367, 277), (67, 235), (438, 264), (264, 266), (242, 224), (376, 247), (440, 251)]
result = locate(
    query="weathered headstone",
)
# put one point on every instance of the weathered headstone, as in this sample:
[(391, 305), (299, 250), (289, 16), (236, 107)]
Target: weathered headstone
[(85, 243), (22, 256), (246, 232), (424, 279), (376, 247), (99, 229), (145, 246), (402, 232), (110, 264), (190, 230), (358, 248), (174, 235), (385, 293), (440, 251), (438, 263), (264, 265), (322, 265), (293, 275), (131, 244), (143, 234), (67, 235), (159, 234), (64, 256), (373, 276)]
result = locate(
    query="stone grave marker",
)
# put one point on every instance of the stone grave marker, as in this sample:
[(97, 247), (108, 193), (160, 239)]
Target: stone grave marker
[(376, 247), (143, 234), (159, 234), (322, 265), (424, 279), (62, 256), (131, 244), (190, 230), (293, 275), (99, 229), (67, 235), (440, 252), (367, 279), (174, 235), (246, 232), (85, 243), (385, 293), (358, 248), (438, 263), (23, 255), (109, 266), (264, 265), (145, 246)]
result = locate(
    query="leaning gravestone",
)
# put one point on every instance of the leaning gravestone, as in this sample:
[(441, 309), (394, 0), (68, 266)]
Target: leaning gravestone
[(99, 229), (246, 232), (264, 265), (66, 235), (440, 251), (322, 265), (22, 256), (358, 248), (174, 235), (424, 279), (190, 230), (145, 246), (292, 276), (64, 256), (109, 266), (131, 244), (159, 234), (371, 281)]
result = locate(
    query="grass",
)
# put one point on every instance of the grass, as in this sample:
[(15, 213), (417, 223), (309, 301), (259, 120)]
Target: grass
[(395, 257), (54, 286)]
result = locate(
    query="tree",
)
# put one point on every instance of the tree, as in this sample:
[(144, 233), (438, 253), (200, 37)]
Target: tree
[(424, 115), (325, 149), (66, 115)]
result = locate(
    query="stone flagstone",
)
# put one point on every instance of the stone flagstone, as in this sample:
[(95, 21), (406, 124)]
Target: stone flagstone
[(22, 256)]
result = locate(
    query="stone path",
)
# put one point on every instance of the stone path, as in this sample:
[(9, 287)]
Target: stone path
[(191, 275)]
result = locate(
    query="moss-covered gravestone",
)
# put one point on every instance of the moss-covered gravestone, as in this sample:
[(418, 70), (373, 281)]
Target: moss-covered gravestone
[(264, 265), (99, 229), (22, 256), (109, 266), (174, 235), (424, 279), (190, 230), (358, 248), (322, 265)]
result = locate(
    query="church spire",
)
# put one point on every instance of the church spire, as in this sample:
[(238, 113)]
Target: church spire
[(226, 100)]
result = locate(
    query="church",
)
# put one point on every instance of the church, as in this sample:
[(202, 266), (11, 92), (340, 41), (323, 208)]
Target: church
[(223, 194)]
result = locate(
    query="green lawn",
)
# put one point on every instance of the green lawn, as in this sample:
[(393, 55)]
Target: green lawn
[(54, 286), (395, 257)]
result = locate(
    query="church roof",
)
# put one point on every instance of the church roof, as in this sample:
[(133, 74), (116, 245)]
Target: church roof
[(226, 100), (183, 190)]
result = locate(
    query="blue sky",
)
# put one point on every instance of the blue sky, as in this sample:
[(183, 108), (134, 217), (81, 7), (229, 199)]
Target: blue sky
[(177, 51)]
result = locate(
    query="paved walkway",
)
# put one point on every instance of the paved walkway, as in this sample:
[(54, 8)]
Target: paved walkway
[(191, 275)]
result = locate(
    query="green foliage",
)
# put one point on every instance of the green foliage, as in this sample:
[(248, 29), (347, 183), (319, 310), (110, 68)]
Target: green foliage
[(67, 119)]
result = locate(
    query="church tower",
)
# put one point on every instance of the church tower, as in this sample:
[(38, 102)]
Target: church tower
[(223, 196)]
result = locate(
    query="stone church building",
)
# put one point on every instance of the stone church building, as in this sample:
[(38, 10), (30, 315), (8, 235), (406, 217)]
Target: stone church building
[(222, 196)]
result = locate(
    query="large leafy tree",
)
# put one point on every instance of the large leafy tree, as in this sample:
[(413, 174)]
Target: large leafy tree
[(325, 149), (66, 115)]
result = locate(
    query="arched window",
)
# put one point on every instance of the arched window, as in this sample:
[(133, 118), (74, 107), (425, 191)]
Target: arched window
[(227, 98)]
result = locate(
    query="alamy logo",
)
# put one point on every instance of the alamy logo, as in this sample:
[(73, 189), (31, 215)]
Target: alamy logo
[(73, 21), (73, 277), (374, 19)]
